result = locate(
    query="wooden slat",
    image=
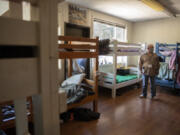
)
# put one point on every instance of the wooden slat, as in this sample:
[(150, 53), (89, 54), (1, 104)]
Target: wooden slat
[(90, 82), (106, 85), (127, 83), (79, 39), (1, 117), (115, 42), (33, 2), (18, 32), (70, 67), (62, 101), (21, 120), (72, 55), (107, 80), (84, 101), (80, 46), (109, 75), (124, 53), (18, 78), (95, 77)]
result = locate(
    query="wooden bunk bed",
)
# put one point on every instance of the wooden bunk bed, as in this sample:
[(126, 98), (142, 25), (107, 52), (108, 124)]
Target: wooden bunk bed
[(74, 48), (28, 68), (108, 78)]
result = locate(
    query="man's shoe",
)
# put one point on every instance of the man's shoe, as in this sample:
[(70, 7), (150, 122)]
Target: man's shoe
[(142, 96), (152, 97)]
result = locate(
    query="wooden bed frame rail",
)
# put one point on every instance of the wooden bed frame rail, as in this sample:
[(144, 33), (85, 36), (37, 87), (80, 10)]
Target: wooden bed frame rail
[(82, 47)]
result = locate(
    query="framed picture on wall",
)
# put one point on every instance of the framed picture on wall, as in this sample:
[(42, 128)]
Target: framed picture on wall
[(77, 15)]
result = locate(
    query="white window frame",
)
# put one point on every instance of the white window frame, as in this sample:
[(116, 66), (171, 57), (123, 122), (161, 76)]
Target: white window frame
[(107, 59)]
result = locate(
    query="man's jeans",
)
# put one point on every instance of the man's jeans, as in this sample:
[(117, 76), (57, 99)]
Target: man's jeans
[(145, 85)]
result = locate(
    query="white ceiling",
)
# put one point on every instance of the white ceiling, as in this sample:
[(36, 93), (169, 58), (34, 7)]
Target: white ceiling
[(132, 10)]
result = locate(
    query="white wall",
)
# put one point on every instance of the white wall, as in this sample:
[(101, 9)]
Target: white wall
[(162, 30)]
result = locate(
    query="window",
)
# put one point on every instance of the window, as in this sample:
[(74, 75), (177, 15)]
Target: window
[(110, 31), (26, 7), (104, 31)]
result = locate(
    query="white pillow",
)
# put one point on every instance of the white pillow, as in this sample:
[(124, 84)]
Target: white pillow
[(75, 79)]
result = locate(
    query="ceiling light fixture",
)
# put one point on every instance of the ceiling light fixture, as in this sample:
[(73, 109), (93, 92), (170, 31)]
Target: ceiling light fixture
[(157, 6), (154, 5)]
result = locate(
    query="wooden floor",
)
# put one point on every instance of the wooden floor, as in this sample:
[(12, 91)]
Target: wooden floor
[(130, 115)]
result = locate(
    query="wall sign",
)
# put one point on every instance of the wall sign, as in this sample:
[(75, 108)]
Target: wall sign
[(77, 15)]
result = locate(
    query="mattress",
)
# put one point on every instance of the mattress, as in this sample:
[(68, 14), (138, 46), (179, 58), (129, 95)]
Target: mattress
[(123, 78), (127, 49)]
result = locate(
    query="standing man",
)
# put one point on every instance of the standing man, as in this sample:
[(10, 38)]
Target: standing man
[(149, 67)]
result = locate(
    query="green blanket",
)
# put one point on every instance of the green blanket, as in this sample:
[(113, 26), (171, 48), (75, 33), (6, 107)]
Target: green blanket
[(120, 78)]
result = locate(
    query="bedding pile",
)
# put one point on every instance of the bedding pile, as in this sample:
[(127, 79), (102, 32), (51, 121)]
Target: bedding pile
[(75, 89), (104, 46)]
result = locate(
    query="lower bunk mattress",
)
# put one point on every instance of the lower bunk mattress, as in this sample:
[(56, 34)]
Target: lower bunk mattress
[(120, 78), (123, 78)]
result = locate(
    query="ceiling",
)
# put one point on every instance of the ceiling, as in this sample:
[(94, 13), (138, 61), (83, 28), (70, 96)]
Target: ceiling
[(132, 10)]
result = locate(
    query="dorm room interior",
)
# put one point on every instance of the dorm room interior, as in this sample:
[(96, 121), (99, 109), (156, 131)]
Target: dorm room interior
[(72, 67)]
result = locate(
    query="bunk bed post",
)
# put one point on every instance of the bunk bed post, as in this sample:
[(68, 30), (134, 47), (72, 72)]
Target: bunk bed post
[(21, 116), (176, 65), (45, 104), (95, 76), (1, 114), (70, 67), (114, 71), (157, 48)]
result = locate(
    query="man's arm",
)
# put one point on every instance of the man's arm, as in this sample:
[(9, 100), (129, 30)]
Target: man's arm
[(140, 64), (157, 65)]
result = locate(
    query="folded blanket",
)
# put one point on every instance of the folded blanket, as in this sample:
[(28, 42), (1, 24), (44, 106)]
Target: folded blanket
[(165, 72)]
